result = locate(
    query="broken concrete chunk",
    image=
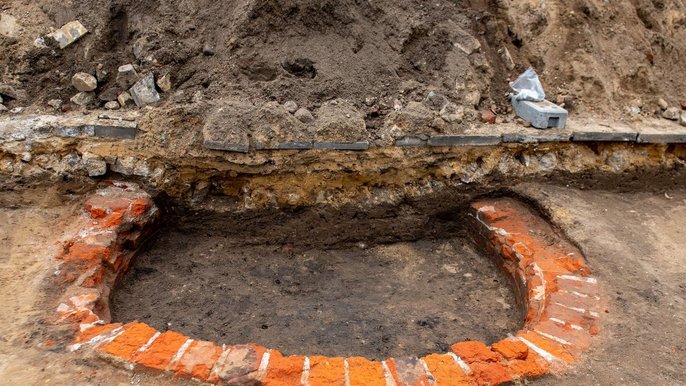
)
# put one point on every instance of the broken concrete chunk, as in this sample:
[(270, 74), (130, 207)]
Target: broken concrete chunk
[(126, 76), (144, 92), (83, 98), (8, 25), (84, 82), (125, 100), (304, 115), (291, 107), (69, 33), (164, 83)]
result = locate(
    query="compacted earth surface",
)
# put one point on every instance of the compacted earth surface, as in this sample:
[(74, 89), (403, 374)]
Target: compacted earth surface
[(389, 300)]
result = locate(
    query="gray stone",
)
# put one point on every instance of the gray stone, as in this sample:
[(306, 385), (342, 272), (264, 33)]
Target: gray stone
[(3, 108), (661, 134), (55, 103), (124, 165), (17, 110), (465, 140), (144, 92), (84, 82), (604, 133), (452, 113), (291, 107), (541, 115), (435, 101), (114, 131), (112, 105), (101, 74), (537, 137), (68, 131), (68, 34), (239, 147), (1, 100), (83, 98), (507, 58), (671, 113), (164, 83), (208, 50), (410, 141), (110, 94), (125, 100), (361, 145), (298, 145), (126, 76), (304, 115)]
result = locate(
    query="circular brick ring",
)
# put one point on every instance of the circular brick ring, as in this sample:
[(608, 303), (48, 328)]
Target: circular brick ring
[(549, 275)]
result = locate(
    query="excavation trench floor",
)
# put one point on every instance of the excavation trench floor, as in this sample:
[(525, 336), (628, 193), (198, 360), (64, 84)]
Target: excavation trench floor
[(379, 301)]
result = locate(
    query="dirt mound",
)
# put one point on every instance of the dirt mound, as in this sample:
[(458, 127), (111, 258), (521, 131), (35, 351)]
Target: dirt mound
[(380, 56)]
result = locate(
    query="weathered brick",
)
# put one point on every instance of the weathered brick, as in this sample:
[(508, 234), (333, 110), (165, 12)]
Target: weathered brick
[(473, 351), (126, 345), (363, 372), (557, 350), (490, 373), (408, 371), (511, 348), (97, 330), (532, 366), (239, 366), (159, 354), (197, 361), (446, 371), (326, 371), (284, 371)]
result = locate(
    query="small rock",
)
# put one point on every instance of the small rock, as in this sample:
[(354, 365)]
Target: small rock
[(208, 50), (683, 118), (17, 110), (84, 82), (452, 113), (95, 166), (55, 103), (671, 113), (112, 105), (126, 76), (662, 103), (83, 98), (14, 93), (507, 58), (100, 74), (291, 107), (144, 92), (164, 83), (8, 25), (488, 116), (435, 101), (304, 115), (69, 33), (1, 101), (125, 100), (2, 108)]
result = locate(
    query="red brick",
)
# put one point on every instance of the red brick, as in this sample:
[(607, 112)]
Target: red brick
[(159, 354), (363, 372), (239, 366), (126, 345), (326, 371), (198, 360), (284, 371), (511, 349)]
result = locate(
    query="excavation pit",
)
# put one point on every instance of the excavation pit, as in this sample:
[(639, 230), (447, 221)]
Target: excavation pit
[(404, 282), (322, 281)]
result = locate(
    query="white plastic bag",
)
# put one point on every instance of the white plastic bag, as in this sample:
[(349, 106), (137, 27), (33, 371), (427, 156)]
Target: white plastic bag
[(528, 87)]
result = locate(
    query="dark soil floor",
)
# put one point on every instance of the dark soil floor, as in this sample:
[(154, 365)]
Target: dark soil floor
[(351, 299)]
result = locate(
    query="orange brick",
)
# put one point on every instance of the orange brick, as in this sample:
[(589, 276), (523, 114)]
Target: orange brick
[(446, 371), (490, 373), (140, 206), (408, 371), (363, 372), (532, 366), (81, 251), (283, 371), (474, 351), (127, 344), (160, 353), (511, 349), (86, 335), (580, 340), (556, 349), (326, 371), (198, 360)]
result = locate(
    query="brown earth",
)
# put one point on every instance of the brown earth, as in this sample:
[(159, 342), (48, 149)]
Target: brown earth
[(606, 58)]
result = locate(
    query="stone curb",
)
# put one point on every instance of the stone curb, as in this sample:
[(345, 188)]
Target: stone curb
[(561, 296)]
